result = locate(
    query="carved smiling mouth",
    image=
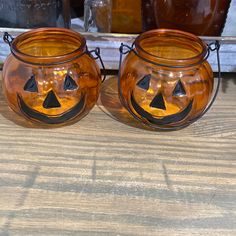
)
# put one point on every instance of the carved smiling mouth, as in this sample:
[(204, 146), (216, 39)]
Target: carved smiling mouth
[(164, 121), (70, 114)]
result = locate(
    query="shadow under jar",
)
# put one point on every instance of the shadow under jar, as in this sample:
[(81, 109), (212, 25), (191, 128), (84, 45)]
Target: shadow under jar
[(200, 17), (165, 81), (50, 77)]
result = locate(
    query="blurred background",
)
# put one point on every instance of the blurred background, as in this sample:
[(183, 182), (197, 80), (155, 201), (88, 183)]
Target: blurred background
[(201, 17)]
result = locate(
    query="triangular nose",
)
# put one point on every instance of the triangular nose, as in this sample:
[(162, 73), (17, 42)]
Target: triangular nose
[(51, 101), (158, 102)]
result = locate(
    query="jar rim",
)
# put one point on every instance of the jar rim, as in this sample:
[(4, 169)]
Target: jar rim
[(198, 58), (48, 60)]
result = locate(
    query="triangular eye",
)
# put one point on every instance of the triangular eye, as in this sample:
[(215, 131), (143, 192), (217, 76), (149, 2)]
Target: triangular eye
[(158, 102), (179, 90), (31, 85), (144, 83), (70, 84)]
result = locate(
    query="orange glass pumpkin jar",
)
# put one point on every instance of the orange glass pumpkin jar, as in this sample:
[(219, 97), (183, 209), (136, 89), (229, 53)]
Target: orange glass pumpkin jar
[(165, 81), (50, 77)]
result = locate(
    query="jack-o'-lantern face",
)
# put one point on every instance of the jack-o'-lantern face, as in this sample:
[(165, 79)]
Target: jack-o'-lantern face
[(161, 103), (50, 77), (55, 96), (49, 112), (165, 81)]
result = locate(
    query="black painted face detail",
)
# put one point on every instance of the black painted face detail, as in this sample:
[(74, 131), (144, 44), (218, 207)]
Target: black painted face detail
[(51, 101), (31, 85), (159, 103), (179, 90), (69, 115), (144, 83), (70, 84), (164, 121)]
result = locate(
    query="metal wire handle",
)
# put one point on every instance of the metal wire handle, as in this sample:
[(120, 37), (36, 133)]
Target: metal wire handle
[(212, 49), (214, 46), (8, 38), (129, 49), (97, 53)]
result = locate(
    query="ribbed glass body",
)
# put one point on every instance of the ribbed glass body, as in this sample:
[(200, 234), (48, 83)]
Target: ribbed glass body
[(49, 77), (165, 82)]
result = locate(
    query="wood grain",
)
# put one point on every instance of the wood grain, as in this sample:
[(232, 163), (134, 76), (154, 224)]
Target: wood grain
[(107, 175)]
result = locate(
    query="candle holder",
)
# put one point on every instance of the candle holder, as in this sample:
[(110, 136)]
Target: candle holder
[(165, 81), (50, 77)]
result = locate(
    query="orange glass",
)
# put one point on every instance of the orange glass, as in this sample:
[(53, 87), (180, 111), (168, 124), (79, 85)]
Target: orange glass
[(126, 16), (50, 77), (165, 81), (199, 17)]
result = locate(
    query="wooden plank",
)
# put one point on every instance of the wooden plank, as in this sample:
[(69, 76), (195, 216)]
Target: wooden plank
[(110, 43), (107, 175)]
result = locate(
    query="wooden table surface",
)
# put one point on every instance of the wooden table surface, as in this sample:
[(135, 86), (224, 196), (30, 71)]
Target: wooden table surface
[(105, 175)]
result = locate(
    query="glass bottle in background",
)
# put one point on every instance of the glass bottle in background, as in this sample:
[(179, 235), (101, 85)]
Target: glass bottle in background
[(35, 13), (200, 17), (97, 15), (126, 16)]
